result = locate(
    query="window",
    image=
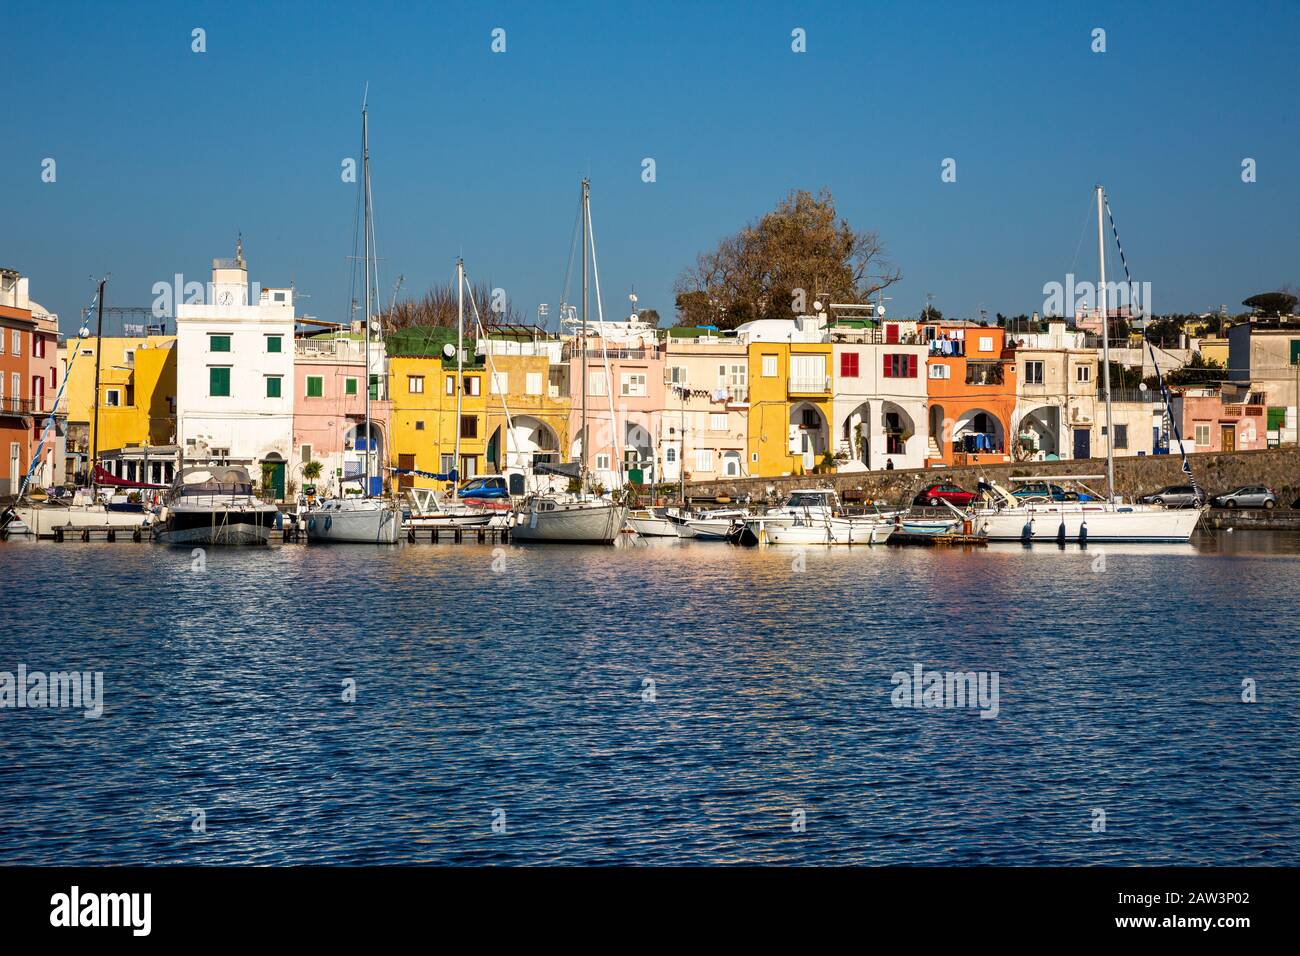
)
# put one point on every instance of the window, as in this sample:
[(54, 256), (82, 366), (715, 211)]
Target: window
[(38, 345), (415, 384), (670, 454), (984, 373), (419, 426), (1121, 435), (849, 365), (596, 382), (633, 385), (474, 384), (448, 464), (533, 383), (469, 426), (315, 386), (350, 386), (273, 383), (1033, 373), (676, 375), (1202, 434), (218, 343), (602, 462), (112, 397), (274, 343), (500, 383), (718, 422), (219, 381), (2, 346), (306, 453), (1083, 373), (808, 372), (18, 343), (731, 464), (986, 343), (704, 459), (374, 388), (451, 384), (769, 366), (1295, 351), (899, 365), (939, 370)]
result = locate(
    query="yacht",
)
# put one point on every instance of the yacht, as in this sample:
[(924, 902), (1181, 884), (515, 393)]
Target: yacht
[(215, 505)]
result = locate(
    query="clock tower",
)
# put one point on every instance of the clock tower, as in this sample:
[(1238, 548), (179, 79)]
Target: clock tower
[(230, 279)]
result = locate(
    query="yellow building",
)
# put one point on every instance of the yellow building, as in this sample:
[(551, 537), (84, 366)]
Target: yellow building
[(790, 396), (137, 390), (528, 382), (423, 385)]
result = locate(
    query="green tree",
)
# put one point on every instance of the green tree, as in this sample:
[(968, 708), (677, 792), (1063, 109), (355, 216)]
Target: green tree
[(800, 245), (1271, 303)]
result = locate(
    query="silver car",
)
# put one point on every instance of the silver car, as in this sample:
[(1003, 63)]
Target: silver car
[(1248, 496), (1176, 496)]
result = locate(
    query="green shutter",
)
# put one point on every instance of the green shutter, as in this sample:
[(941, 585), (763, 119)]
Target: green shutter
[(273, 386), (374, 388), (351, 386), (218, 343), (1276, 418), (273, 343), (219, 382), (315, 386), (1295, 351)]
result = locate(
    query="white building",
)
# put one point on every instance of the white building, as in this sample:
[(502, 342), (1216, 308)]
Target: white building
[(235, 376), (881, 396)]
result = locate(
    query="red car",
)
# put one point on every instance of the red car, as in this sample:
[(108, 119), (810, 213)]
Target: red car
[(953, 494)]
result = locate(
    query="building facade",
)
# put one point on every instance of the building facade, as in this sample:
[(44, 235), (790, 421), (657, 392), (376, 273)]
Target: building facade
[(1056, 403), (1264, 357), (528, 403), (18, 414), (790, 394), (704, 425), (971, 379), (881, 395), (235, 375)]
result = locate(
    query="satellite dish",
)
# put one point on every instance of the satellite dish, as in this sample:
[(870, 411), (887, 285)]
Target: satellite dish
[(449, 350), (1142, 386), (84, 331), (880, 310), (817, 305)]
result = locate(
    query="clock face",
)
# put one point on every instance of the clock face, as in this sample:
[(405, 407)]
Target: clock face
[(225, 298)]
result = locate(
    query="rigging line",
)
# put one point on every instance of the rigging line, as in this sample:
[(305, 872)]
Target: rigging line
[(356, 243), (1087, 214), (1160, 379), (600, 321), (492, 369), (568, 270)]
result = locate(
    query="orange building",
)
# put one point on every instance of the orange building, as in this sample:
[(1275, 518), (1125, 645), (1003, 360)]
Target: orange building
[(17, 410), (971, 388)]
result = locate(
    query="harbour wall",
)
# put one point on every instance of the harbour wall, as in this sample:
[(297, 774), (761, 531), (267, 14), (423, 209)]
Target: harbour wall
[(1279, 468)]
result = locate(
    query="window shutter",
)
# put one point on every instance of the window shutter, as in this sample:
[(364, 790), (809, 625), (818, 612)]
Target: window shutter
[(911, 366), (889, 368)]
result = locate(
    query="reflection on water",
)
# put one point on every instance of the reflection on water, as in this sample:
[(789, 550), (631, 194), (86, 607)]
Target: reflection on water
[(518, 679)]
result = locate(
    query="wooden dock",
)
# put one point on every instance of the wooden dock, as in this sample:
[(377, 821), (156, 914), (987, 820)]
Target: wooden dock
[(936, 540)]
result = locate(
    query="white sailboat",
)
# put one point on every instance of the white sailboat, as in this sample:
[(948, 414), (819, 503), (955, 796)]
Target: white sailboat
[(580, 519), (1108, 520), (366, 519)]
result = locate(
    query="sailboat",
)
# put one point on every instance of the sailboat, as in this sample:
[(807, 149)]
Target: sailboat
[(365, 519), (86, 511), (580, 519), (1110, 519)]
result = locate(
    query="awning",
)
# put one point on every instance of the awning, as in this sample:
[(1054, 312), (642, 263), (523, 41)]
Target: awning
[(103, 477)]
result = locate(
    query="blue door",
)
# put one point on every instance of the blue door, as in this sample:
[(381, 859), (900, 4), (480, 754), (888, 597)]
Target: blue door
[(1082, 443)]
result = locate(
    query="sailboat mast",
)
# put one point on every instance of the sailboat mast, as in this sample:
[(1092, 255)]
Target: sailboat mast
[(586, 451), (460, 346), (1105, 350), (365, 167), (99, 335)]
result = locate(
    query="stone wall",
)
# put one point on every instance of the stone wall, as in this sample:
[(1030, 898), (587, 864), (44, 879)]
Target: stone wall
[(1279, 468)]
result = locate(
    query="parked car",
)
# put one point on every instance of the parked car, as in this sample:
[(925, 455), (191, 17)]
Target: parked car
[(1045, 491), (488, 486), (1175, 496), (953, 494), (1248, 496)]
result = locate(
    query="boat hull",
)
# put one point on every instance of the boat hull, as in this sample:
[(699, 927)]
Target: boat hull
[(653, 527), (44, 521), (1043, 524), (354, 522), (230, 526), (835, 531), (579, 523)]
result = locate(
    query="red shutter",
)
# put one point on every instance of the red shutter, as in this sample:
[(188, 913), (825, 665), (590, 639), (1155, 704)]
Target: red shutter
[(889, 368), (891, 332), (911, 365)]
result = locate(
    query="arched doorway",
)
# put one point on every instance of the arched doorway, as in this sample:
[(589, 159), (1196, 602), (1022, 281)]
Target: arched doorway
[(940, 437), (809, 434), (638, 452), (1039, 433), (855, 434), (273, 475), (898, 429), (979, 431), (529, 441)]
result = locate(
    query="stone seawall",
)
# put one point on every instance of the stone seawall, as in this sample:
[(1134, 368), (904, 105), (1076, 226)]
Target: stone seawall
[(1279, 468)]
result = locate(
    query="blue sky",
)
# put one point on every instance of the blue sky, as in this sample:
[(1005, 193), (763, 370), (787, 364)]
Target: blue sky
[(164, 154)]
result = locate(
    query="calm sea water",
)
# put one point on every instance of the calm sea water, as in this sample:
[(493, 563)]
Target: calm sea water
[(515, 694)]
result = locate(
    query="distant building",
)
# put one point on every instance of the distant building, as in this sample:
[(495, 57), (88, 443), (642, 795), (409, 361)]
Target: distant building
[(528, 399), (1211, 420), (19, 417), (1264, 356), (704, 428), (881, 394), (1056, 403), (971, 376)]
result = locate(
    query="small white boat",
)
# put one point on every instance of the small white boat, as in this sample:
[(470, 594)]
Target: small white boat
[(428, 510), (556, 518), (649, 523), (804, 506), (832, 531), (716, 524), (353, 520), (43, 519)]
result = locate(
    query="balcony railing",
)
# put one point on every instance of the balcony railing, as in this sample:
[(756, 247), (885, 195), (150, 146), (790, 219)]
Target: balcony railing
[(809, 386), (17, 406), (737, 394)]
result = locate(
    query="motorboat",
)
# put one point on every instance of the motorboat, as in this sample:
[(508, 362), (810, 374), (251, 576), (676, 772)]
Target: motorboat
[(427, 509), (714, 524), (652, 523), (833, 530), (215, 505)]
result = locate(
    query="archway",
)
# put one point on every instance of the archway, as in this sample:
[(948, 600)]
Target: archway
[(639, 451), (855, 434), (1039, 433), (898, 429), (978, 430), (809, 434), (940, 438), (529, 441)]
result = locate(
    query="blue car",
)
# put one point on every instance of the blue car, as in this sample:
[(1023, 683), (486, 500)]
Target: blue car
[(489, 486), (1045, 491)]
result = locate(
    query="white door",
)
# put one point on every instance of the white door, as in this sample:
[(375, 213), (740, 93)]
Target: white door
[(808, 460), (15, 467)]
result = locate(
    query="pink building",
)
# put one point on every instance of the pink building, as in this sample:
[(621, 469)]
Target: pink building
[(329, 410), (1213, 421), (625, 399)]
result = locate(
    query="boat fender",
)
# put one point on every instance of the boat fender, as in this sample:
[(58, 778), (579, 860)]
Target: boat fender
[(1060, 533), (329, 520), (1027, 532), (311, 524), (1083, 534)]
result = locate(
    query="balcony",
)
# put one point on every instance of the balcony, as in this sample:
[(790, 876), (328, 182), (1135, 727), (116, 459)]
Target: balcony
[(17, 406), (809, 386), (737, 394)]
